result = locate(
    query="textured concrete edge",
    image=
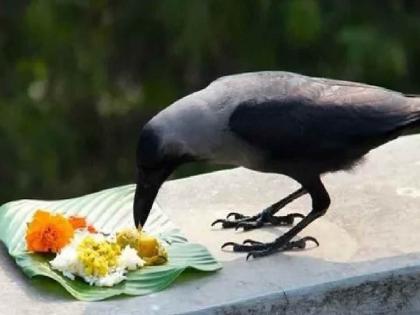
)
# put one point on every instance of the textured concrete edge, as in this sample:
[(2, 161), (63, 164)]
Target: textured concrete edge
[(391, 291)]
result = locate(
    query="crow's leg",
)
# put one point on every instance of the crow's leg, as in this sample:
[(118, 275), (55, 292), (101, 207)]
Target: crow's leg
[(320, 204), (265, 217)]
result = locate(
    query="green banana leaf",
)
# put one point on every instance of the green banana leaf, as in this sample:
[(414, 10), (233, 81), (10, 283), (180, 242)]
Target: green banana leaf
[(108, 211)]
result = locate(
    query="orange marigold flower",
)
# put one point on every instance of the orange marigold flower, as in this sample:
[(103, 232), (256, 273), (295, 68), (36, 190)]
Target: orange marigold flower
[(48, 233), (80, 223)]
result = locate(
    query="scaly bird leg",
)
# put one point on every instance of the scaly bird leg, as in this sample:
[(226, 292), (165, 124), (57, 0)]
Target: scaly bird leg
[(320, 203)]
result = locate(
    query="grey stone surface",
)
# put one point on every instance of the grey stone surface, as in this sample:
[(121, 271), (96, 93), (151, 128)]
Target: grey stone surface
[(368, 261)]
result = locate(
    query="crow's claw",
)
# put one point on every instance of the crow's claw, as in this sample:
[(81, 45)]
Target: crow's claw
[(260, 253), (244, 248), (249, 225), (252, 242), (284, 220), (301, 243), (257, 249), (225, 223), (234, 223), (228, 244), (256, 221), (236, 216)]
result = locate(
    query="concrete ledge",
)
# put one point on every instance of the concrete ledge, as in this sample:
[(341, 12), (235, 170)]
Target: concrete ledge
[(368, 261), (396, 291)]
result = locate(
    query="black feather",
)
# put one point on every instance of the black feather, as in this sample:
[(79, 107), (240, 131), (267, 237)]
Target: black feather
[(330, 136)]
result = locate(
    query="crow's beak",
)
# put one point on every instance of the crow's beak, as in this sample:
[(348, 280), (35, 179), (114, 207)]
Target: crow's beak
[(148, 184), (143, 202)]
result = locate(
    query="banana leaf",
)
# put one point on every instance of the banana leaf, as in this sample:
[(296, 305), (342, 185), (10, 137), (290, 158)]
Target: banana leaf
[(108, 210)]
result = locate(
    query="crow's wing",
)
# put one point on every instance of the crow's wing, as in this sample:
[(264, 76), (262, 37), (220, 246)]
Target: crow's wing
[(322, 118)]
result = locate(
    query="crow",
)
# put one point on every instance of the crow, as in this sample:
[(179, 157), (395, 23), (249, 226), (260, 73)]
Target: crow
[(276, 122)]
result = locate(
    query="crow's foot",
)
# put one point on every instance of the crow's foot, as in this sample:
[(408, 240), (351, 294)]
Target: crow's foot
[(258, 249), (256, 221)]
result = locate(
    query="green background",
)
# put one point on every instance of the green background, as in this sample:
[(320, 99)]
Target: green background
[(78, 79)]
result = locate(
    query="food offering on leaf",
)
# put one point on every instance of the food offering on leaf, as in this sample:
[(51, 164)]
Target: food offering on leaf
[(82, 251)]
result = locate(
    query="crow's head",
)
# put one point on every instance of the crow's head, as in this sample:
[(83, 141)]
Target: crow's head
[(157, 157)]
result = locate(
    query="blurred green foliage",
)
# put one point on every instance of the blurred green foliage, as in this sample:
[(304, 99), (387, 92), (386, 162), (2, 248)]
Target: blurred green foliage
[(79, 78)]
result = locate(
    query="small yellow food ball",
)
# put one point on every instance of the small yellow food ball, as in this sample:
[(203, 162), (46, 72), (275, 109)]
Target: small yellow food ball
[(151, 251), (148, 246)]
